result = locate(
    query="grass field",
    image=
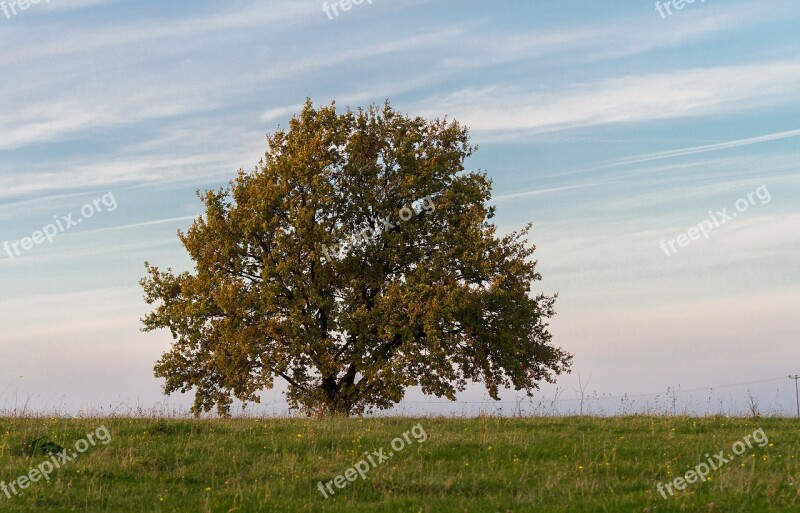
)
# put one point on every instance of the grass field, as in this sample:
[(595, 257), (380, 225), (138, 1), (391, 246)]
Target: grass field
[(475, 465)]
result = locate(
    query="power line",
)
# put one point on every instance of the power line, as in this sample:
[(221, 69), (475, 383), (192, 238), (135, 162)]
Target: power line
[(623, 396)]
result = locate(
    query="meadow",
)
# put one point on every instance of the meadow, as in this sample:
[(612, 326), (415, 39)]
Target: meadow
[(483, 464)]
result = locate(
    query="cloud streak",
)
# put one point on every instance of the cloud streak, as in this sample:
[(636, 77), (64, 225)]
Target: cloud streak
[(633, 98)]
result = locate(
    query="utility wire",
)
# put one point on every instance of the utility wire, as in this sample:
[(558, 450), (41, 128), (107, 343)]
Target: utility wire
[(670, 390)]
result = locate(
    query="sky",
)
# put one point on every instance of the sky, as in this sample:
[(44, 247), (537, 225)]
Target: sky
[(657, 155)]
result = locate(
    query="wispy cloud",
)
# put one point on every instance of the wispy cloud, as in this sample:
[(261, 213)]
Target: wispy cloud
[(778, 165), (518, 195), (144, 224), (131, 170), (675, 94), (122, 34), (777, 136)]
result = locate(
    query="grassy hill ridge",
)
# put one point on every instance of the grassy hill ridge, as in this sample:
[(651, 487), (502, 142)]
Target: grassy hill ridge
[(484, 464)]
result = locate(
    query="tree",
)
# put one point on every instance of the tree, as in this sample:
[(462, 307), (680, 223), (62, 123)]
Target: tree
[(356, 260)]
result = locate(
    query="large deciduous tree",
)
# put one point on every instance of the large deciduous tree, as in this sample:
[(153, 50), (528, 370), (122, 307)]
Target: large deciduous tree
[(358, 259)]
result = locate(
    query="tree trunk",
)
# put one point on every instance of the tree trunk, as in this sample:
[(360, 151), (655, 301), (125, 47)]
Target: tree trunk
[(339, 395)]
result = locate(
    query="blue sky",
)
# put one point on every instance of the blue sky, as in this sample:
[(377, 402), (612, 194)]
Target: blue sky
[(607, 126)]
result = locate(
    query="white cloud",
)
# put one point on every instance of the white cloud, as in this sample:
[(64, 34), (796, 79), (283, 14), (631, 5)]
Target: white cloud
[(777, 136), (673, 94), (91, 40), (519, 195)]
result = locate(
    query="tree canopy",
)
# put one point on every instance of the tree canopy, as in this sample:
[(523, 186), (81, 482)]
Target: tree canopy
[(356, 260)]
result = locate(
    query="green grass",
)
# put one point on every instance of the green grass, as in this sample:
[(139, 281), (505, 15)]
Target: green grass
[(473, 465)]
